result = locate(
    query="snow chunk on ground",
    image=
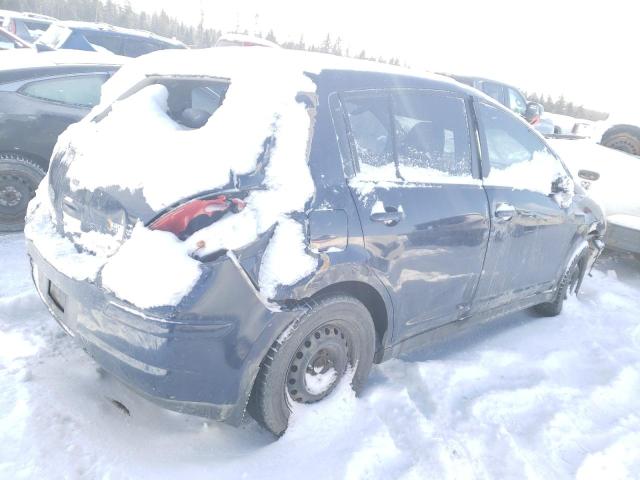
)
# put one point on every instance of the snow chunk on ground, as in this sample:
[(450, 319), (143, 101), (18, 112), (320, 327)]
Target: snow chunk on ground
[(151, 269), (285, 261)]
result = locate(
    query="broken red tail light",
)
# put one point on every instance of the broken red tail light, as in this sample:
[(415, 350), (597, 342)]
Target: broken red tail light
[(178, 220)]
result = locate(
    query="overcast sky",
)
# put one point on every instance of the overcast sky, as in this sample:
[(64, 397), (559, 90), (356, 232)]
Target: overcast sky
[(586, 50)]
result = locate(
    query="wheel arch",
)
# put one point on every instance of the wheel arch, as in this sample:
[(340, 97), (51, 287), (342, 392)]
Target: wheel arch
[(373, 302)]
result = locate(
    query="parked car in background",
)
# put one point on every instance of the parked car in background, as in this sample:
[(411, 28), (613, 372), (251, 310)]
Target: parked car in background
[(9, 41), (274, 247), (104, 37), (512, 98), (622, 133), (27, 26), (243, 40), (611, 178), (41, 94)]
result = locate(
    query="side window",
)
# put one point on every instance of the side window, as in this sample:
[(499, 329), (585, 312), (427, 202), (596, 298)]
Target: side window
[(111, 42), (81, 91), (371, 136), (518, 158), (494, 90), (134, 47), (432, 136), (517, 102)]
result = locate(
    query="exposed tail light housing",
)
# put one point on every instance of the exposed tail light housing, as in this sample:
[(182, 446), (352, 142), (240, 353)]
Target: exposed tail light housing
[(195, 214)]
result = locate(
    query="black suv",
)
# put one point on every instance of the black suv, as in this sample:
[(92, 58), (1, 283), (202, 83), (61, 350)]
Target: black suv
[(41, 94), (256, 253)]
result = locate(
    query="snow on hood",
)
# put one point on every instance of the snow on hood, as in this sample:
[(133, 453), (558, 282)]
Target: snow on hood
[(137, 146)]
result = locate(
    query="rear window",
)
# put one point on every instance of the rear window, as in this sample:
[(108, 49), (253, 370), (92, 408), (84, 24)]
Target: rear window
[(113, 43), (134, 47), (80, 91), (191, 102)]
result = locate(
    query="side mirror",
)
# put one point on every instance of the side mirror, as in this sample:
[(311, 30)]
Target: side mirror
[(588, 175), (533, 112)]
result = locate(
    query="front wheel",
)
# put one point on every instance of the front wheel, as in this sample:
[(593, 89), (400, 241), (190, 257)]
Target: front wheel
[(335, 336), (566, 286)]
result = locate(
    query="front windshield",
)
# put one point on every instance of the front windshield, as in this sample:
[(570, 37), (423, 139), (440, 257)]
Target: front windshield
[(55, 36)]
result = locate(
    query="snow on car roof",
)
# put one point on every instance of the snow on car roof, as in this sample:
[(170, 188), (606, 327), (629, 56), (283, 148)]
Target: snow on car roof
[(28, 58), (105, 27), (221, 62), (240, 39)]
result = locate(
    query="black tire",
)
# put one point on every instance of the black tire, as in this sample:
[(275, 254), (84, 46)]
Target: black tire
[(626, 139), (19, 178), (335, 332), (565, 287)]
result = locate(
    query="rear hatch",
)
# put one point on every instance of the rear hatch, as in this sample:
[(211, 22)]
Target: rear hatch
[(109, 212), (217, 157)]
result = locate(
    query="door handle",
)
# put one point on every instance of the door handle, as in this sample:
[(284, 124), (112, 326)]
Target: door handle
[(504, 211), (389, 217)]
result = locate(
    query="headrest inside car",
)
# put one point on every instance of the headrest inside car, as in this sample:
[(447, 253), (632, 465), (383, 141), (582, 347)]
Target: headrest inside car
[(194, 117)]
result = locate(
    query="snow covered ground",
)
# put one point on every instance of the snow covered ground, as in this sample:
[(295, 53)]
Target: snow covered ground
[(525, 397)]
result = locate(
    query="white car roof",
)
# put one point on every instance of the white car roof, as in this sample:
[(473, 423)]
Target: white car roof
[(240, 38), (105, 27)]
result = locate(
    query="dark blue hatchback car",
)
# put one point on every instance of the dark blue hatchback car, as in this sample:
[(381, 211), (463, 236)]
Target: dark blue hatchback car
[(285, 220)]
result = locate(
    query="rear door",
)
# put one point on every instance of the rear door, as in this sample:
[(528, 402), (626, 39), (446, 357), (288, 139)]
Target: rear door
[(532, 228), (422, 208)]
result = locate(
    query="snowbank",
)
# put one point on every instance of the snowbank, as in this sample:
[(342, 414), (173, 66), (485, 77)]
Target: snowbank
[(524, 397)]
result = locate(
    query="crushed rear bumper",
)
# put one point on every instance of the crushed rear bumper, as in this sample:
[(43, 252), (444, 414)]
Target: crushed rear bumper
[(200, 357)]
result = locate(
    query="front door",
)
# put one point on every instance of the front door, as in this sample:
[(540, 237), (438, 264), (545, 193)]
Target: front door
[(423, 211), (532, 228)]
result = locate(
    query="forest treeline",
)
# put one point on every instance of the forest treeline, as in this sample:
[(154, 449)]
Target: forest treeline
[(199, 36)]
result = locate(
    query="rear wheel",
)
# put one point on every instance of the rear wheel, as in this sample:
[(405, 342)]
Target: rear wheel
[(19, 178), (625, 139), (335, 335), (567, 285)]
